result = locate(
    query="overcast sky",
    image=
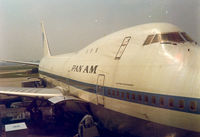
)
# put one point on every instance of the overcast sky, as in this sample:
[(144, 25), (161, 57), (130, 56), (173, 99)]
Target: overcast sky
[(73, 24)]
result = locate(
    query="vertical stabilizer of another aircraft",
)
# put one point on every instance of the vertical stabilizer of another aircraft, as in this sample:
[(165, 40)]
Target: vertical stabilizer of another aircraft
[(46, 51)]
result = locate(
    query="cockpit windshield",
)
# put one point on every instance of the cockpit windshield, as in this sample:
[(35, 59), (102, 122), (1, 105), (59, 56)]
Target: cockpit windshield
[(186, 37), (172, 37)]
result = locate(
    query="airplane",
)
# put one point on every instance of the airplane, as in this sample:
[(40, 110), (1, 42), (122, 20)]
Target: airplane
[(143, 80)]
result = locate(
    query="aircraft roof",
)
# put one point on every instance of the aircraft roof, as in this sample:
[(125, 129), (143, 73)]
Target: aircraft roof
[(151, 28), (144, 29)]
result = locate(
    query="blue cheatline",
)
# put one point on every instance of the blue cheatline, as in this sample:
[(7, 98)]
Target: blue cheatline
[(178, 103)]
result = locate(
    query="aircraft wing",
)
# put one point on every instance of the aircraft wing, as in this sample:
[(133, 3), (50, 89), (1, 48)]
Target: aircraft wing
[(31, 92), (54, 95), (22, 62)]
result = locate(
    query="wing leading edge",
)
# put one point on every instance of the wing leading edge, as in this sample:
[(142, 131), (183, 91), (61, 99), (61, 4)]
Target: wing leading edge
[(54, 95), (31, 92), (21, 62)]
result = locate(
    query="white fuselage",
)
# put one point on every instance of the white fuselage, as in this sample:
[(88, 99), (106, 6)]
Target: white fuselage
[(156, 82)]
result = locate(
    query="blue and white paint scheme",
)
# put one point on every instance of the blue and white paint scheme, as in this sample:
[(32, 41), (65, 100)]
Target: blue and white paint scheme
[(144, 80)]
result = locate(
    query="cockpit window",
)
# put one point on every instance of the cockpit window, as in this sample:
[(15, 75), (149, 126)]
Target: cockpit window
[(148, 40), (156, 38), (186, 37), (172, 37)]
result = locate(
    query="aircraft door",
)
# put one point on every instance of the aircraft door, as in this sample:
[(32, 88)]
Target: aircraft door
[(100, 89), (122, 47)]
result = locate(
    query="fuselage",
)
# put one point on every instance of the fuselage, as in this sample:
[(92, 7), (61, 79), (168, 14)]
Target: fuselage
[(149, 72)]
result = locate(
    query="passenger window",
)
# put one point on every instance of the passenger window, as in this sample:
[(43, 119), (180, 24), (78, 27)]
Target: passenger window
[(148, 40), (193, 105), (133, 96), (171, 102), (127, 95), (118, 93), (139, 97), (181, 104), (153, 100), (161, 101), (91, 50), (113, 92), (99, 88), (96, 50), (109, 93), (146, 99), (122, 94)]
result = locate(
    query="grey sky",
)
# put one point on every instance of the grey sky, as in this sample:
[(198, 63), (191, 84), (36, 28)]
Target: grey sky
[(73, 24)]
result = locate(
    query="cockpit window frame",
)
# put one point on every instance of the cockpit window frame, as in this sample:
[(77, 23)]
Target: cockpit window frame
[(149, 39), (168, 37), (156, 38), (186, 37)]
